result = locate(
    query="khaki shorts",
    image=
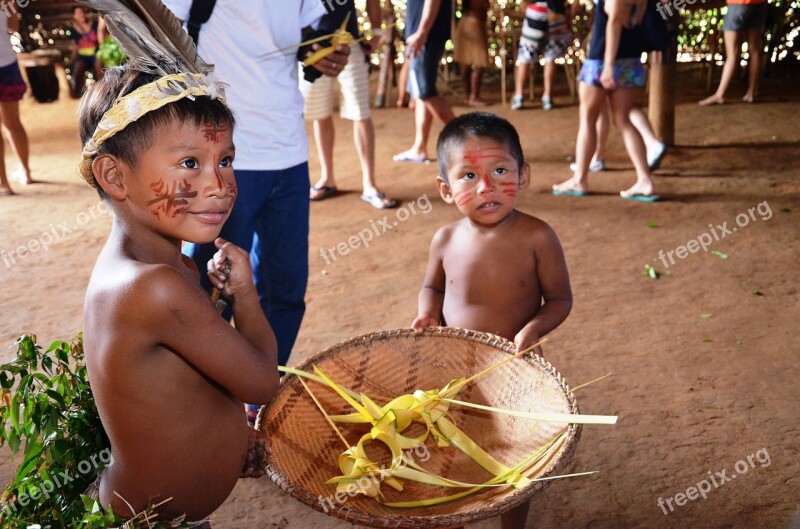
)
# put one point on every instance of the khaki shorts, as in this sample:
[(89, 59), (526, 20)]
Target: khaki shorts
[(353, 87)]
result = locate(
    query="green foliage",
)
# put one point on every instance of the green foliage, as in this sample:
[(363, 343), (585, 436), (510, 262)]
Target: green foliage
[(49, 417), (110, 54)]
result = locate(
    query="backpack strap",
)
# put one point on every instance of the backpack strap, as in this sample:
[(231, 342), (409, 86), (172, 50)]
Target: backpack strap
[(198, 15)]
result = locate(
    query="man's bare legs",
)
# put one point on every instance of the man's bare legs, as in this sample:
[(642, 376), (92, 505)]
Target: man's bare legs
[(549, 77), (521, 72), (364, 140), (755, 49), (622, 100), (402, 83), (593, 102), (324, 135), (424, 112), (732, 43), (17, 137), (5, 188)]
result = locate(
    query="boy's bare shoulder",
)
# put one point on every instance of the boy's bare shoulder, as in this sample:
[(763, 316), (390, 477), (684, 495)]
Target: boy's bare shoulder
[(446, 232), (534, 226), (144, 292)]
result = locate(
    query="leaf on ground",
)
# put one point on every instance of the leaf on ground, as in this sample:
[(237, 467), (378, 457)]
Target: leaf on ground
[(719, 254), (758, 293), (651, 271), (786, 210), (706, 315), (653, 224), (707, 340)]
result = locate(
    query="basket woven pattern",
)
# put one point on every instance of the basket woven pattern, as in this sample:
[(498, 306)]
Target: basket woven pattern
[(387, 364)]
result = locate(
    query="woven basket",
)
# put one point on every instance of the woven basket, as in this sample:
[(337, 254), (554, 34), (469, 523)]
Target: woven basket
[(387, 364)]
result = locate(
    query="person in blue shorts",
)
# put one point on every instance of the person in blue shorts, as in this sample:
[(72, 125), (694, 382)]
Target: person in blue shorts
[(427, 31)]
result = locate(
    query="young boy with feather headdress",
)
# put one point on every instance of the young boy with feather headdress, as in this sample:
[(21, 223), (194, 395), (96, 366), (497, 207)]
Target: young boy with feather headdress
[(169, 374)]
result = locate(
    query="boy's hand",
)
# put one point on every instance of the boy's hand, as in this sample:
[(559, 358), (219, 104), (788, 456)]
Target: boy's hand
[(229, 270), (525, 339), (423, 322)]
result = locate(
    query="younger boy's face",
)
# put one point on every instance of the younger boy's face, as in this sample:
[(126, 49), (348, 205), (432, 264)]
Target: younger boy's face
[(484, 180), (183, 185)]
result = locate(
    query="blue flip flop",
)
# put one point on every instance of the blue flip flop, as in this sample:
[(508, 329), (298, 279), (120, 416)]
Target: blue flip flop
[(643, 198), (570, 193)]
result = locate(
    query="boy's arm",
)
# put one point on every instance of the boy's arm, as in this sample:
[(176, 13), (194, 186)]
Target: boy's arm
[(551, 271), (177, 314), (431, 297)]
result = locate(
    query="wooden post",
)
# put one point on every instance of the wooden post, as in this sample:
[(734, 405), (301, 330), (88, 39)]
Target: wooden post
[(387, 58), (663, 91)]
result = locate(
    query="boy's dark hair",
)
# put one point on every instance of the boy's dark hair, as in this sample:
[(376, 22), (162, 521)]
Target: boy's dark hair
[(129, 143), (481, 125)]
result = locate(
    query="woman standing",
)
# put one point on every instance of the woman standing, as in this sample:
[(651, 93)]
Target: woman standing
[(472, 48), (614, 70), (12, 88), (84, 50)]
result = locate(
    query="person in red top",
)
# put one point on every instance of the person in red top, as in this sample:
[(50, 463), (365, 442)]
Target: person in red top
[(745, 18)]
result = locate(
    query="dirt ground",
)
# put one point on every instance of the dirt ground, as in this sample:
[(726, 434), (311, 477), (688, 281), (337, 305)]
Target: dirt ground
[(704, 360)]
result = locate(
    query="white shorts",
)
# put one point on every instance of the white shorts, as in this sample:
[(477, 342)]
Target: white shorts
[(354, 90)]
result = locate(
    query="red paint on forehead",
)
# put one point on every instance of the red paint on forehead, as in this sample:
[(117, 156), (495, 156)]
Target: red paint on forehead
[(474, 156)]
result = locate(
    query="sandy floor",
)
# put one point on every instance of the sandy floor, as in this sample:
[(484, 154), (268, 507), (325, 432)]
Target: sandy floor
[(705, 372)]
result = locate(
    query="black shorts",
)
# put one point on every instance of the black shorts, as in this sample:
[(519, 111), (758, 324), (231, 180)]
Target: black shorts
[(424, 71)]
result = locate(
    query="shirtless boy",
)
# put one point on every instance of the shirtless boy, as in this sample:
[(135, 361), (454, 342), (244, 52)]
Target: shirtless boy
[(168, 373), (496, 270)]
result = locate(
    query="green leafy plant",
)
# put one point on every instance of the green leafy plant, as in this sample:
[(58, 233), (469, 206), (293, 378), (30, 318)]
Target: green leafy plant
[(49, 417), (110, 54)]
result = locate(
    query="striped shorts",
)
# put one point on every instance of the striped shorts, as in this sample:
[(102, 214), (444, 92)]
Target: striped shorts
[(354, 91), (543, 33)]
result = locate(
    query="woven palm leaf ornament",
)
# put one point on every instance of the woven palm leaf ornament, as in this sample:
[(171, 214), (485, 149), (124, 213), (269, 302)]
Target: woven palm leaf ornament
[(397, 423)]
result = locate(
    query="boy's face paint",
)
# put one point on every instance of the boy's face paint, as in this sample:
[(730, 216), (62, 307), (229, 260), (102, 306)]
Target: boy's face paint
[(185, 180), (484, 180)]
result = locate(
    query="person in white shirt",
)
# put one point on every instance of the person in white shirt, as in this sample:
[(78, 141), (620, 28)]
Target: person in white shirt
[(270, 218)]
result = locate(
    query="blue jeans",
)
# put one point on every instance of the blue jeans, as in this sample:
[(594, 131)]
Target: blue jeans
[(270, 219)]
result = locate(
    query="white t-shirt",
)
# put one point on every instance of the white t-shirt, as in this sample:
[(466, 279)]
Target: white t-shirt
[(270, 133), (7, 54)]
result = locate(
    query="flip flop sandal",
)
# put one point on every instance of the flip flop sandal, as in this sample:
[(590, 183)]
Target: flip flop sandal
[(324, 192), (379, 201)]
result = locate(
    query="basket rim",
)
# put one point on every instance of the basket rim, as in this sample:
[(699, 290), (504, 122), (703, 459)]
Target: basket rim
[(401, 520)]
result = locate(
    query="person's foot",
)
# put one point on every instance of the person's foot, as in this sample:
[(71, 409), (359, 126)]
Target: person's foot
[(477, 102), (595, 167), (256, 460), (655, 155), (547, 103), (712, 100), (411, 156), (378, 200), (748, 98), (639, 189), (6, 191), (571, 187), (22, 176), (321, 192), (516, 102)]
